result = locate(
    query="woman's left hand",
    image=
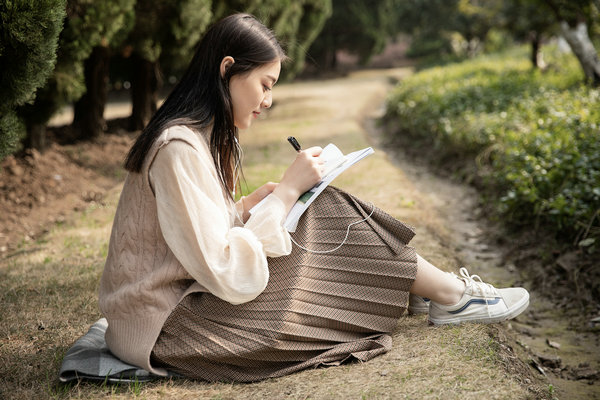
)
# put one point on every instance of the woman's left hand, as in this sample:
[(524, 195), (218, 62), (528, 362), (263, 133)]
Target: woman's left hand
[(256, 197)]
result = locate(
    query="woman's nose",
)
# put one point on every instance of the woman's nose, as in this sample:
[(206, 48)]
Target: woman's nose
[(267, 101)]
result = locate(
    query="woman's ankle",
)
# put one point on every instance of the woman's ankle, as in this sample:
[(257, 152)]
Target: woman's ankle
[(453, 296)]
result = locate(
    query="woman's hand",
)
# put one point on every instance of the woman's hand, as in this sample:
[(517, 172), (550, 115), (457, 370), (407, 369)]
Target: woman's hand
[(303, 174), (256, 197)]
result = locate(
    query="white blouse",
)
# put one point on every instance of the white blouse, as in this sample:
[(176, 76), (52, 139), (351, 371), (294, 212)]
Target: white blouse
[(203, 229)]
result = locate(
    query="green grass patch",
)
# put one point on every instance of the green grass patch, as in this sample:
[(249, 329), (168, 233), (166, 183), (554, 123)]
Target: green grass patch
[(533, 136)]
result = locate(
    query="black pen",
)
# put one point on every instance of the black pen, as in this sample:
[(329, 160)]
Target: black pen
[(294, 143)]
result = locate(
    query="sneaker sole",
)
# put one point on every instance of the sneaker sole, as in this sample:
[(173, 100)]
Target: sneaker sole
[(509, 314), (418, 310)]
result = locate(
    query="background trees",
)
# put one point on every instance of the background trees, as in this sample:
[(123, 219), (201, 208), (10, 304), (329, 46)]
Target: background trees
[(164, 33), (527, 24), (297, 23), (576, 18), (429, 23), (149, 40), (360, 27), (28, 40), (88, 24), (88, 121)]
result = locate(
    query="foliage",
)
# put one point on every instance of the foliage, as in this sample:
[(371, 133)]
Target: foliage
[(474, 20), (535, 134), (361, 27), (29, 33), (295, 22), (571, 11), (523, 18), (441, 27), (89, 23), (169, 29), (307, 22), (12, 129), (459, 28)]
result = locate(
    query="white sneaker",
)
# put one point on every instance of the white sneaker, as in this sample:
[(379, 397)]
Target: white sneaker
[(418, 304), (481, 303)]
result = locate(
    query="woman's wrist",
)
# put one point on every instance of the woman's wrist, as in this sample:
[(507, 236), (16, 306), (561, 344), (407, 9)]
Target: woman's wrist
[(248, 202), (287, 194)]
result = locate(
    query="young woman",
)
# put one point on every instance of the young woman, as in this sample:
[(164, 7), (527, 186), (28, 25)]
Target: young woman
[(197, 285)]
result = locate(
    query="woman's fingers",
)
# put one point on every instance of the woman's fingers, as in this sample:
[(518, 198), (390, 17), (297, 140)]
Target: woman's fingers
[(314, 151), (303, 174), (266, 189), (310, 165)]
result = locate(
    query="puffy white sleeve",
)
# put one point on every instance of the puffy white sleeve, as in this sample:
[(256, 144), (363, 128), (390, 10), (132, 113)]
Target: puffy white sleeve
[(194, 216)]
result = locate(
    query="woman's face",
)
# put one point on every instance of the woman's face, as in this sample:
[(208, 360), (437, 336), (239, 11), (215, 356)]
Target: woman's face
[(251, 92)]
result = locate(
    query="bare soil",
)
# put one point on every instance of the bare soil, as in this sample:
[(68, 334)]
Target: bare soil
[(44, 198), (38, 190)]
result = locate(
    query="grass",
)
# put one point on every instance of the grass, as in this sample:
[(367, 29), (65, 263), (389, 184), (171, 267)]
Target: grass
[(48, 290), (531, 135)]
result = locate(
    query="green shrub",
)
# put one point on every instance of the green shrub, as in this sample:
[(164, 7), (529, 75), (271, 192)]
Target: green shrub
[(534, 134), (29, 32)]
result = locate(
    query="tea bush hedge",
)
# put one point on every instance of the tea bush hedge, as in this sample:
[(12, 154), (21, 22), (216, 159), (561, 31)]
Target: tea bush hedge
[(534, 135)]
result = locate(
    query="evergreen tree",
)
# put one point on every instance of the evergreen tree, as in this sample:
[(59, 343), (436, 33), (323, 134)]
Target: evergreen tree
[(355, 26), (116, 18), (165, 32), (429, 22), (297, 23), (87, 25), (29, 31)]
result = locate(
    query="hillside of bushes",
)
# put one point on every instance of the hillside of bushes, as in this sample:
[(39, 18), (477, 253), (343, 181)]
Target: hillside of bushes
[(529, 138)]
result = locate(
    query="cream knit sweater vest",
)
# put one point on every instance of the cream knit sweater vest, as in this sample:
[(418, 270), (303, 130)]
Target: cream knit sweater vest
[(142, 280)]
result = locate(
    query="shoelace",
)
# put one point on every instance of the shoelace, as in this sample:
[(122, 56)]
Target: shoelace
[(479, 285)]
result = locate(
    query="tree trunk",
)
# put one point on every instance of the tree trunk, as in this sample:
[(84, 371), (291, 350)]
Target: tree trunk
[(88, 120), (145, 84), (583, 48), (534, 38), (36, 136), (332, 59)]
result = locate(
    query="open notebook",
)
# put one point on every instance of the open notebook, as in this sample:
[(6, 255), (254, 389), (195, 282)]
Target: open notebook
[(335, 162)]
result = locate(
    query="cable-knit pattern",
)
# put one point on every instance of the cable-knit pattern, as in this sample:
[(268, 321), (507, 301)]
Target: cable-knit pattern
[(139, 261), (178, 239), (142, 281)]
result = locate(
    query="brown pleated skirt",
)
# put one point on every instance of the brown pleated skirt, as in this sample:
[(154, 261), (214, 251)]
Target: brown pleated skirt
[(317, 309)]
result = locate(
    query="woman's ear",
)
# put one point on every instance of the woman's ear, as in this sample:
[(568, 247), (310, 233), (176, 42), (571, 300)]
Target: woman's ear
[(226, 63)]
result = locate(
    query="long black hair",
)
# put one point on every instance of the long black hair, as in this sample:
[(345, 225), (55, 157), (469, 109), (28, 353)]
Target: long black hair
[(202, 97)]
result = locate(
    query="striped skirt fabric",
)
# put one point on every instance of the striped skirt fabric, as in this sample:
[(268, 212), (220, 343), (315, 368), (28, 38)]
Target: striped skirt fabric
[(319, 307)]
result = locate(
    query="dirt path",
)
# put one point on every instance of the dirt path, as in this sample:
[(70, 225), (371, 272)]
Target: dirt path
[(56, 273), (452, 231), (562, 347)]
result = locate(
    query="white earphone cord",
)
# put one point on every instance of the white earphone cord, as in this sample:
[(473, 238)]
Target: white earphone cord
[(237, 174), (343, 241), (238, 162)]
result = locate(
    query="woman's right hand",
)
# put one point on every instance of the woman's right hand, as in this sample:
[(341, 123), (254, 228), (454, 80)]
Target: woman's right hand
[(303, 174)]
